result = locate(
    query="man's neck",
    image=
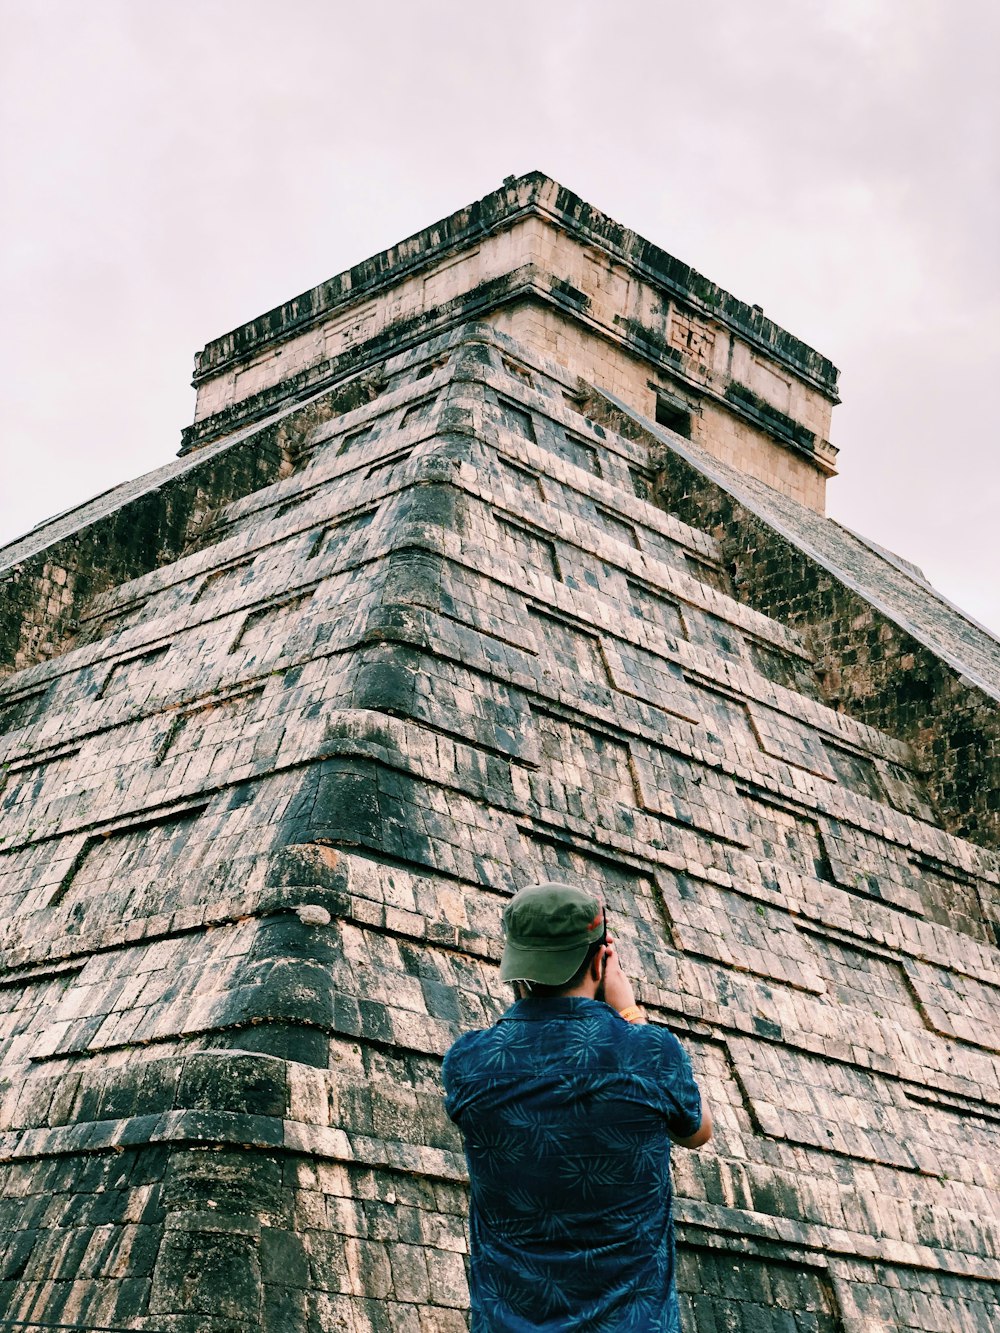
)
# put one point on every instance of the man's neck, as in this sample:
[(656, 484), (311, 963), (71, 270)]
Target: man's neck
[(583, 992)]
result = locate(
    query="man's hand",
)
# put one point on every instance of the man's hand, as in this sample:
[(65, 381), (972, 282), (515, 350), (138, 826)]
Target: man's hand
[(616, 987)]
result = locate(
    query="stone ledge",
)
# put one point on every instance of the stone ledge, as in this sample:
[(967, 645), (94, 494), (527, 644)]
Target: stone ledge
[(270, 1134), (834, 1241)]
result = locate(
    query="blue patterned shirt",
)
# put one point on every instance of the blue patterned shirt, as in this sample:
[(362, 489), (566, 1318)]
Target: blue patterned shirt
[(565, 1108)]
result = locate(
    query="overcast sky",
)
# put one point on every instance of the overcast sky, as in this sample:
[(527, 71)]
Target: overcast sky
[(171, 170)]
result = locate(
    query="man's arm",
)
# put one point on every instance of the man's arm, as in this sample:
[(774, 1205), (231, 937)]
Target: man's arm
[(701, 1135), (619, 994)]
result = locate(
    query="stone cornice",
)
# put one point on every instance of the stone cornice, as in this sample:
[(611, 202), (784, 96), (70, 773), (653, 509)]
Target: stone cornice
[(531, 195)]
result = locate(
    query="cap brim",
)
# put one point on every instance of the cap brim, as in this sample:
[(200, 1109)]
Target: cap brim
[(549, 967)]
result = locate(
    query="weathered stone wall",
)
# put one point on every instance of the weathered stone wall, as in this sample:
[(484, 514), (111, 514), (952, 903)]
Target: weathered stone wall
[(50, 578), (735, 438), (881, 674), (44, 594), (869, 664), (545, 267), (258, 832)]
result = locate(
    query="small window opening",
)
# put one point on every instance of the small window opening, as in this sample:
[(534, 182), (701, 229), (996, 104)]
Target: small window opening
[(521, 372), (674, 415), (429, 367)]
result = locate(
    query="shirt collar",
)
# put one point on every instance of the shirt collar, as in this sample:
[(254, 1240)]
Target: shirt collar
[(541, 1008)]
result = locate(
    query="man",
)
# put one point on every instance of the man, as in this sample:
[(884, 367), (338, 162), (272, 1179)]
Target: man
[(568, 1106)]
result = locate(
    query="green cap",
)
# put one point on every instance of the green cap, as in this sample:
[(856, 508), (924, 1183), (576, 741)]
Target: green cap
[(549, 928)]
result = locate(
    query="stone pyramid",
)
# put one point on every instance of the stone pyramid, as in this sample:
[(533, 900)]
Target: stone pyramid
[(499, 557)]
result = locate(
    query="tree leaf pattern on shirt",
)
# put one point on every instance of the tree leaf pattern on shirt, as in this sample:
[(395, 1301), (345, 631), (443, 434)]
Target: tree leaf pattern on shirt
[(565, 1110)]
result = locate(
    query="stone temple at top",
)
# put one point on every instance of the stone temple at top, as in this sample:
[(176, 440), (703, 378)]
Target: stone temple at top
[(502, 556)]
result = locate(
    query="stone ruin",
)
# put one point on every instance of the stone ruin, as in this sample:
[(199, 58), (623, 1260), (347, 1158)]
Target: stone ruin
[(500, 556)]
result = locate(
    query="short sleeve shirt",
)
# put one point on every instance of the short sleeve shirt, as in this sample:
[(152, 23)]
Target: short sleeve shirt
[(565, 1111)]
